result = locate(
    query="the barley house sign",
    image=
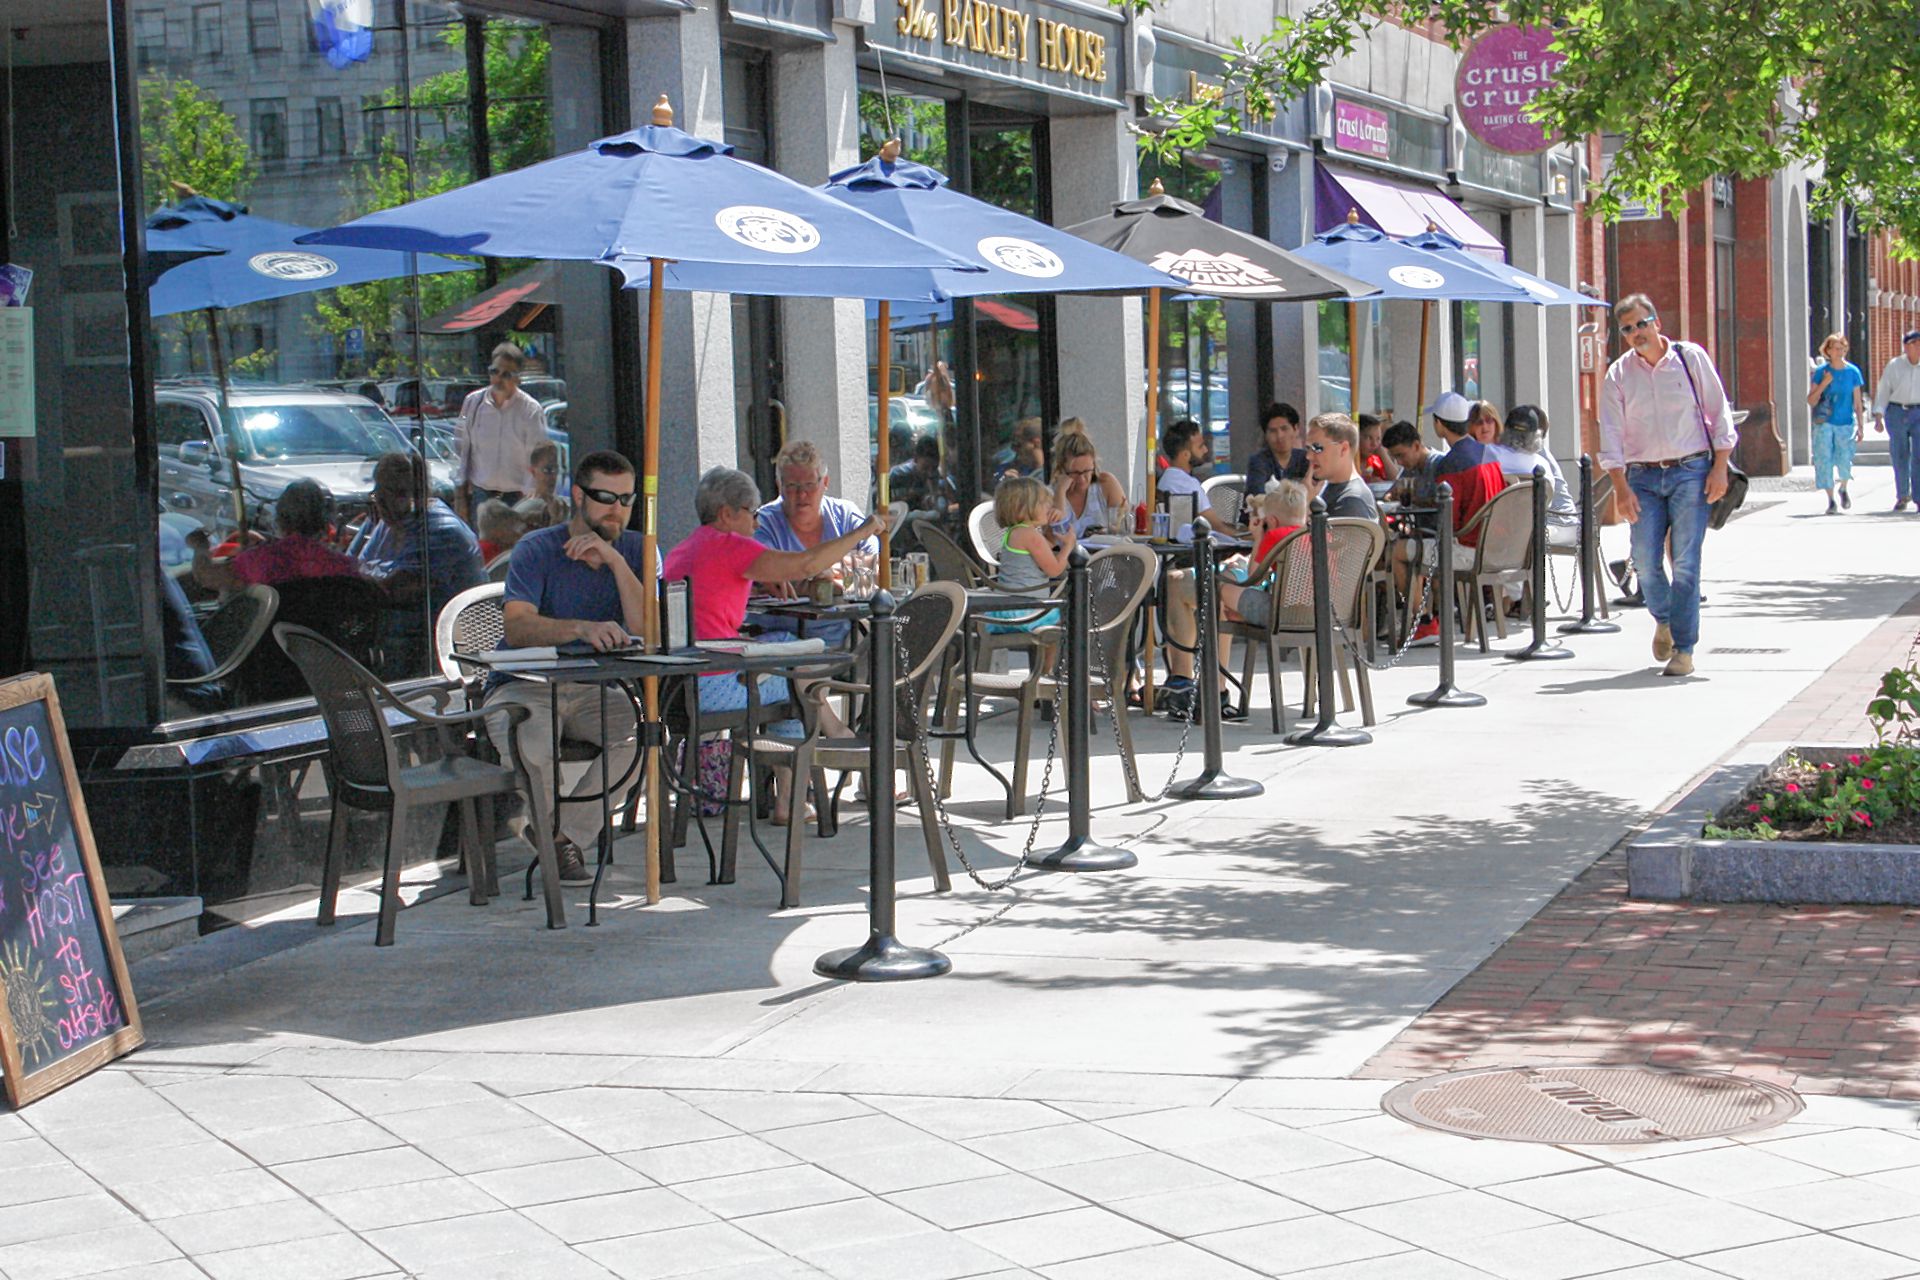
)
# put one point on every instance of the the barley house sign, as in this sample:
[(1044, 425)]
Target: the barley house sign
[(1064, 49)]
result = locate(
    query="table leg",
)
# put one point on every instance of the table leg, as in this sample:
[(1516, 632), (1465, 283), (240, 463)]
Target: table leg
[(656, 793), (603, 846)]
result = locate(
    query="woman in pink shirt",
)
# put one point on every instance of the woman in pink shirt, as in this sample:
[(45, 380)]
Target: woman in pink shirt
[(721, 562)]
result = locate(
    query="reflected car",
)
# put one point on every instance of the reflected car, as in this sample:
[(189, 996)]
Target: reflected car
[(277, 435), (911, 414), (1184, 398)]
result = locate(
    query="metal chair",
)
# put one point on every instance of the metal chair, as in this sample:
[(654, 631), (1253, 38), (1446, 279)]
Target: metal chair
[(1502, 552), (948, 560), (364, 772), (1602, 490), (1286, 574), (984, 531), (233, 632), (347, 610), (1227, 495), (927, 623), (498, 566)]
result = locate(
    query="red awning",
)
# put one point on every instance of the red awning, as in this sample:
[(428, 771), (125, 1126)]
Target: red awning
[(531, 290)]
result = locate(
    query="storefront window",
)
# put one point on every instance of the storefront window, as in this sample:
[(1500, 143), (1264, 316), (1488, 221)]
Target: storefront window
[(321, 382)]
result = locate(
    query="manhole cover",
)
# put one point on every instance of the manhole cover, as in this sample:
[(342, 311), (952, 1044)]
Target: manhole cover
[(1585, 1105)]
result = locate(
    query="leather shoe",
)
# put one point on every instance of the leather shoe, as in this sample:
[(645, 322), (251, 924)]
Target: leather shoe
[(1680, 664), (573, 866), (1662, 642)]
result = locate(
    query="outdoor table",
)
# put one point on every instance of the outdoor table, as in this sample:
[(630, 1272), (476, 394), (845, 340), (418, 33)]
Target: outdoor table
[(620, 668), (806, 611), (980, 601)]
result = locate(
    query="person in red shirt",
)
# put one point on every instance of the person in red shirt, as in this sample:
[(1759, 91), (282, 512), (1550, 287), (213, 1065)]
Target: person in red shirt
[(301, 551), (1371, 459)]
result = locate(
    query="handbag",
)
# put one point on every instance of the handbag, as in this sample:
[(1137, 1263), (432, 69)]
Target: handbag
[(1721, 511)]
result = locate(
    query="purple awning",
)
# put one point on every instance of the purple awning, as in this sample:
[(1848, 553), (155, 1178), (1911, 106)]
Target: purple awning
[(1399, 209)]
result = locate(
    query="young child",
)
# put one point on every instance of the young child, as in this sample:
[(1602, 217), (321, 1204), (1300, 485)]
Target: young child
[(1276, 513), (1373, 461), (1034, 545), (499, 527)]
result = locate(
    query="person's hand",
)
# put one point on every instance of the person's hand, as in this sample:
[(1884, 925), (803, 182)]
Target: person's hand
[(1860, 433), (591, 549), (1716, 484), (603, 635), (1627, 502), (871, 527), (1880, 423)]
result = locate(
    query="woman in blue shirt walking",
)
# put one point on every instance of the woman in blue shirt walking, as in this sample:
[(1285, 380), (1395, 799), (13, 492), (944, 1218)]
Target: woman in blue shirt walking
[(1839, 410)]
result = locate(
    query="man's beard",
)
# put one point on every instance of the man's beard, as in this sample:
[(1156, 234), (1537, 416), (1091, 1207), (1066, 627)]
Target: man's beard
[(609, 530)]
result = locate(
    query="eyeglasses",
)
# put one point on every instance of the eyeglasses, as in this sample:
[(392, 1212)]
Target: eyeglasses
[(1627, 330), (608, 498), (547, 471), (1316, 448)]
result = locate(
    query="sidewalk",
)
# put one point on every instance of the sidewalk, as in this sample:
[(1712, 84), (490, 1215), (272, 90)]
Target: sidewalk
[(1138, 1074)]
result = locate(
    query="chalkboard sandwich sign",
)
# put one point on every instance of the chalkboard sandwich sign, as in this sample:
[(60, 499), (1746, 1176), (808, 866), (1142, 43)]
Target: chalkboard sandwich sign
[(69, 1006)]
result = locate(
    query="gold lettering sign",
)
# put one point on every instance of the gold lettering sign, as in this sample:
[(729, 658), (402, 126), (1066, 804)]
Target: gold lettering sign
[(1003, 32)]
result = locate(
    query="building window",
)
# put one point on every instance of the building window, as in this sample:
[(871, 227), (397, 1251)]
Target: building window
[(270, 129), (263, 26), (150, 37), (330, 128), (374, 114), (209, 35)]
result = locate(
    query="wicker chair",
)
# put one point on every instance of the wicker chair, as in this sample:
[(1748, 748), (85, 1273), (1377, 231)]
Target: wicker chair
[(1502, 534), (984, 531), (948, 560), (233, 633), (928, 621), (364, 772), (1227, 495), (1286, 575)]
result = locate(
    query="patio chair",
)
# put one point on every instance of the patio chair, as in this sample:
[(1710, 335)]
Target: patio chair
[(928, 621), (364, 772), (1602, 490), (1501, 551), (1286, 574), (984, 531), (347, 610), (232, 633), (947, 559), (1118, 579), (498, 566), (1227, 495)]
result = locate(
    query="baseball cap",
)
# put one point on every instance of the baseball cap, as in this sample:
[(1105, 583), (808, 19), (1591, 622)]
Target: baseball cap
[(1452, 407), (1913, 335)]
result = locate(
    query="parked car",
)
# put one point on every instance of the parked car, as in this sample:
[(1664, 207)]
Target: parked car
[(1203, 402), (278, 435), (909, 414)]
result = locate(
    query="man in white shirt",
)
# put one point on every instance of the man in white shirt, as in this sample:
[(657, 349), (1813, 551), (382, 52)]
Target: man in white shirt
[(494, 438), (1666, 434), (1896, 411)]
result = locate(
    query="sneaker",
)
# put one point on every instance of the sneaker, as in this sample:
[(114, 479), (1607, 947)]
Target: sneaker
[(1229, 709), (1426, 635), (1846, 499), (1900, 505), (573, 866), (1662, 642), (1833, 508), (1177, 691), (1680, 664)]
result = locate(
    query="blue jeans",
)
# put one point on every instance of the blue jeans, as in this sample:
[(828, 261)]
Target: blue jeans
[(1903, 442), (1672, 500), (1832, 451)]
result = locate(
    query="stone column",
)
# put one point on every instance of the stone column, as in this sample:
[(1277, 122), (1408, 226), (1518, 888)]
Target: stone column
[(1102, 357), (1532, 373), (679, 55), (1562, 326), (1296, 325), (823, 341)]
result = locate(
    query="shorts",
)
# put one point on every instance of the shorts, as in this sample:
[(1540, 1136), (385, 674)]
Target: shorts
[(1256, 606)]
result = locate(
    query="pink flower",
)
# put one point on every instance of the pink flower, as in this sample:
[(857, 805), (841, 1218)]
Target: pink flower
[(1866, 784), (1862, 818), (1853, 759), (1826, 768), (1766, 821), (1793, 788), (1753, 808)]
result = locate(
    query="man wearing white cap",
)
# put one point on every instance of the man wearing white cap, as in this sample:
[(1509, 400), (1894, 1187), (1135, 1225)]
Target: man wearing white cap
[(1896, 411), (1451, 413)]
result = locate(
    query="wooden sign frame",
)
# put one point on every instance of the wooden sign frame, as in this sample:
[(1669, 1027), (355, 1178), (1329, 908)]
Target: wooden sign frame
[(23, 1088)]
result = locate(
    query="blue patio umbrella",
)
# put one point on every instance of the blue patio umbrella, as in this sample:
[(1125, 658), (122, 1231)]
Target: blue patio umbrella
[(1542, 292), (680, 212)]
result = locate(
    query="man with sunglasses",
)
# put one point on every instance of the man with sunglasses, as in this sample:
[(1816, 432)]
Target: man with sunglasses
[(579, 581), (495, 435), (1666, 434)]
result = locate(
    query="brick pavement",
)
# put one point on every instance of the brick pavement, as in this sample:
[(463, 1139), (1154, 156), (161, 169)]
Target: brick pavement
[(1821, 999)]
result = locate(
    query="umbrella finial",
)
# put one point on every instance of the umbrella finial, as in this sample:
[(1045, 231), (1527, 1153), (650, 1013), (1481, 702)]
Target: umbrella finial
[(663, 112), (1156, 189), (1432, 226), (181, 190), (1353, 217), (890, 150)]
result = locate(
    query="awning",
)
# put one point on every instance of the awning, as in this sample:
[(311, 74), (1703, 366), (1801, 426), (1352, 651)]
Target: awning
[(1399, 209), (531, 291)]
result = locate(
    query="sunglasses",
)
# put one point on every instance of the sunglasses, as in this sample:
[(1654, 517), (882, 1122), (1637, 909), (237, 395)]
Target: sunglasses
[(1316, 448), (1627, 330), (608, 498)]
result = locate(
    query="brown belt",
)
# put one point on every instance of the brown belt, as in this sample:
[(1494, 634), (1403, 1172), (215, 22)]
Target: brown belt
[(1666, 463)]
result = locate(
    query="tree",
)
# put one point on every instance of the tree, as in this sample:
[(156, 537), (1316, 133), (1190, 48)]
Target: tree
[(1694, 89), (186, 136)]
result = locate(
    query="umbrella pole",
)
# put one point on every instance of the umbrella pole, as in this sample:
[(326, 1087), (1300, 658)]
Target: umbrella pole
[(226, 434), (1426, 328), (1353, 360), (884, 431), (649, 552), (1153, 449)]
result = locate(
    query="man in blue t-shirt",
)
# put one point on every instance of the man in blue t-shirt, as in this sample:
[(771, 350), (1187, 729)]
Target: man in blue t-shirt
[(1839, 400), (580, 582)]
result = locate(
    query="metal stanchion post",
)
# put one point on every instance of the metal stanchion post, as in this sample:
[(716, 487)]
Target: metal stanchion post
[(883, 957), (1587, 624), (1444, 694), (1539, 648), (1325, 732), (1080, 852), (1214, 782)]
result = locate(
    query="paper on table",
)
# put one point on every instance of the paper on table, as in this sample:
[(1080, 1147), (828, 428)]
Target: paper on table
[(537, 653), (766, 648)]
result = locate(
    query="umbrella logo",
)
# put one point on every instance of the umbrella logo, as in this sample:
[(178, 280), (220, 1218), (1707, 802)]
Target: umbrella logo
[(1416, 277), (1022, 257), (1218, 272), (291, 265), (769, 230)]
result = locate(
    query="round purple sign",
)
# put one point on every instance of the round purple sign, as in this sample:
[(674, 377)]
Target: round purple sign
[(1499, 75)]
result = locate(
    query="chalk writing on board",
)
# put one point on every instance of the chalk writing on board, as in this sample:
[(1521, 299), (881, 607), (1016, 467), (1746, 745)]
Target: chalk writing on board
[(30, 1003)]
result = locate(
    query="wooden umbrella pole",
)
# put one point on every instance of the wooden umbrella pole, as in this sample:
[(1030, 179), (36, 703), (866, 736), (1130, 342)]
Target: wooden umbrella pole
[(1420, 391), (1153, 390), (649, 553), (229, 438), (1353, 360), (885, 432)]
